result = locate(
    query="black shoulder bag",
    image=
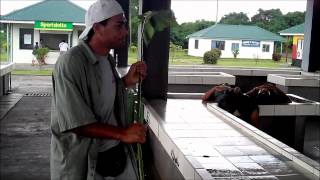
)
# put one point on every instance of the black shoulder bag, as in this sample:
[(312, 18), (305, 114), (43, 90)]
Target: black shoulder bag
[(112, 162)]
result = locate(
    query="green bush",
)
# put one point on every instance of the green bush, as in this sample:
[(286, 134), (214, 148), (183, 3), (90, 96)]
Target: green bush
[(3, 46), (276, 56), (133, 48), (185, 51), (212, 56), (174, 47), (41, 54), (235, 53)]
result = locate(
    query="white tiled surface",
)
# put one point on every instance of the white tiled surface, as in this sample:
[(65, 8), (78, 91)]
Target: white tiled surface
[(206, 146), (309, 108), (295, 80), (6, 68), (288, 152), (236, 71), (209, 78), (284, 109)]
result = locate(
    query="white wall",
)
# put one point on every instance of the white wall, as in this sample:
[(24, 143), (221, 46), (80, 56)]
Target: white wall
[(25, 55), (204, 45), (75, 35), (20, 55)]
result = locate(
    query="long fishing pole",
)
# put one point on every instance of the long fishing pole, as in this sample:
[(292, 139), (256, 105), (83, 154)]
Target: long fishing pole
[(140, 119)]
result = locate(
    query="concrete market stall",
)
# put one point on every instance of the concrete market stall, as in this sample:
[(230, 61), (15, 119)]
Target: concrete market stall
[(48, 23)]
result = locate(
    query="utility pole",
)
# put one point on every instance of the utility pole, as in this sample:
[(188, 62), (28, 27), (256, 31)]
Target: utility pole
[(217, 12)]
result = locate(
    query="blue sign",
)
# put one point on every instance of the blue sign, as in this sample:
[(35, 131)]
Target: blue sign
[(246, 43)]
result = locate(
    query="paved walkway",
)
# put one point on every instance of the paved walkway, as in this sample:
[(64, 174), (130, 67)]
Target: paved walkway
[(8, 102), (26, 66), (25, 140), (24, 130)]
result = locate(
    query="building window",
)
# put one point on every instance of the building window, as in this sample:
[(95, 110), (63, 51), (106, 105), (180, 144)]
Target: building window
[(52, 41), (196, 44), (265, 47), (234, 46), (300, 44), (26, 38), (217, 44)]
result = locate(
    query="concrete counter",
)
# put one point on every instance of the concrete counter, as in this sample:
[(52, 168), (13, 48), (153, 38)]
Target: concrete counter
[(205, 143), (5, 70)]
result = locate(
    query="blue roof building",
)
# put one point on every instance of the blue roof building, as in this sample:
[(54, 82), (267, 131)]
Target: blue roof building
[(251, 41), (48, 23)]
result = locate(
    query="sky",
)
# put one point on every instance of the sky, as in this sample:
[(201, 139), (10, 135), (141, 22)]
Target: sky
[(192, 10)]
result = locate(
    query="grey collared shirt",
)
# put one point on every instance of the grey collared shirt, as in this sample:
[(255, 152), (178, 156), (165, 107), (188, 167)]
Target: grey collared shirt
[(77, 82)]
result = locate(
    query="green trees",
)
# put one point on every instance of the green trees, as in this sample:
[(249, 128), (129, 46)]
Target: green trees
[(3, 37), (180, 32), (235, 19), (134, 7), (294, 18), (272, 20)]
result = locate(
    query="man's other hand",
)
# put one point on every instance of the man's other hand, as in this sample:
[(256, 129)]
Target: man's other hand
[(136, 71), (135, 133)]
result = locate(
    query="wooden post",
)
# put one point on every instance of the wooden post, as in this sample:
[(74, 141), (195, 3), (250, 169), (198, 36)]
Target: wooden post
[(156, 56)]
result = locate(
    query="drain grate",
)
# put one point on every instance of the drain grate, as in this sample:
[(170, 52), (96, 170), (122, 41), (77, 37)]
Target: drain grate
[(37, 94)]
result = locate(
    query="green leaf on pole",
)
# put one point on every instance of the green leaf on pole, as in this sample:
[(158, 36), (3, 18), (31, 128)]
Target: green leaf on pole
[(156, 21)]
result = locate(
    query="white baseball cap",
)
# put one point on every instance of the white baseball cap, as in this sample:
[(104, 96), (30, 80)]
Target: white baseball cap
[(100, 11)]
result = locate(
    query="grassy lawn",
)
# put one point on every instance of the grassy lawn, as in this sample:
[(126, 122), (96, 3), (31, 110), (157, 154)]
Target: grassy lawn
[(32, 72), (3, 56), (181, 58)]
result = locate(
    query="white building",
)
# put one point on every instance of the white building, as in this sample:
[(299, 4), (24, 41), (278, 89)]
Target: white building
[(48, 21), (251, 41)]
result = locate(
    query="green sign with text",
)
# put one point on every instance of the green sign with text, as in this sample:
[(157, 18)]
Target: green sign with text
[(53, 26)]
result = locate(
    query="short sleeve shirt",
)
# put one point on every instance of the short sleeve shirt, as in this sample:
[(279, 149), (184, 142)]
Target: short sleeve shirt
[(78, 83), (104, 102), (63, 46)]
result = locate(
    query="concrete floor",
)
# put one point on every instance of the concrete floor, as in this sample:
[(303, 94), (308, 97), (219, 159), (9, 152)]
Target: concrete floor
[(24, 132), (25, 140)]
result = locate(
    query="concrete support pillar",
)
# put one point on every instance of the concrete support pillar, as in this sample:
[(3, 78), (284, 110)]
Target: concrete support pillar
[(156, 56), (311, 56), (121, 54)]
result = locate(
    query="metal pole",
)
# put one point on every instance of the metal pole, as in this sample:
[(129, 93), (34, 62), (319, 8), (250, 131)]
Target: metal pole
[(287, 49), (217, 12), (140, 43)]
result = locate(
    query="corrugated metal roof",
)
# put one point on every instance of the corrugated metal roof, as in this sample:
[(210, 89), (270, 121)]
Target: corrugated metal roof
[(236, 32), (49, 10), (298, 29)]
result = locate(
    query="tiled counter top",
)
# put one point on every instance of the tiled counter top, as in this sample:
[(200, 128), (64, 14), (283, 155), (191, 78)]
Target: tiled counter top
[(6, 68), (206, 145), (295, 80), (236, 71), (299, 107), (208, 78)]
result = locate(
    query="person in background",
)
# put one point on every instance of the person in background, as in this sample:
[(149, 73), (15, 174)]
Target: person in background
[(245, 105), (235, 102), (34, 53), (91, 136), (63, 46), (41, 44)]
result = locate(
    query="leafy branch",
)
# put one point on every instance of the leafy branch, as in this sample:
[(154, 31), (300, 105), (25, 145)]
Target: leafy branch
[(151, 22)]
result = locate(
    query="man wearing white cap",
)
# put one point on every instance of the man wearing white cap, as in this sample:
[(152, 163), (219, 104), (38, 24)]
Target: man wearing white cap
[(91, 136)]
